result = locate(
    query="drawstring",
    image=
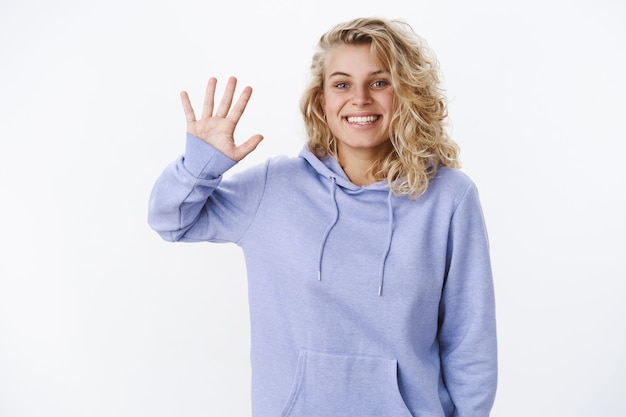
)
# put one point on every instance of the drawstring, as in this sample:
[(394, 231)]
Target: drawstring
[(329, 228), (387, 245), (381, 274)]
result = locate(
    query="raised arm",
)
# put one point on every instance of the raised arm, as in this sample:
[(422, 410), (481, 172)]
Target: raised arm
[(189, 201)]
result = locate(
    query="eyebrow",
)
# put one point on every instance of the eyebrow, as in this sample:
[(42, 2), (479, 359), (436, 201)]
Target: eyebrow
[(344, 74)]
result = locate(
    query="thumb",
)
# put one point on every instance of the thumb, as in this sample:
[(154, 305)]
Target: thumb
[(247, 147)]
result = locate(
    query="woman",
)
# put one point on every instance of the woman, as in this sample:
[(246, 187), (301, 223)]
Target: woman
[(369, 277)]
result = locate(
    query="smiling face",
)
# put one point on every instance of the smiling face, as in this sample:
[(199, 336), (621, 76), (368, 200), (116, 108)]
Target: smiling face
[(358, 101)]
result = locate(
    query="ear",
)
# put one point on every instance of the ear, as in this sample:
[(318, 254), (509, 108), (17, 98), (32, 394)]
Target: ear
[(321, 99)]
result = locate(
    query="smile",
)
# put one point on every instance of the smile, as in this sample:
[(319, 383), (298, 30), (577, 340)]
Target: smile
[(362, 120)]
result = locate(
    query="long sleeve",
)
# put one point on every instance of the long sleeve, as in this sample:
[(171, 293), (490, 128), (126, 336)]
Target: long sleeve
[(467, 334), (192, 202)]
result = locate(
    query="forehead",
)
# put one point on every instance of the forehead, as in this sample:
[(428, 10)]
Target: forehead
[(352, 60)]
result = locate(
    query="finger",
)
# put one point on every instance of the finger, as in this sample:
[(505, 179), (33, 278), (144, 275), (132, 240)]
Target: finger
[(240, 105), (209, 97), (187, 108), (227, 99), (248, 146)]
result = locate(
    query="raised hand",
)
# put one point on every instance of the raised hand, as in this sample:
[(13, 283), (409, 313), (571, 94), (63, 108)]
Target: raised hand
[(218, 129)]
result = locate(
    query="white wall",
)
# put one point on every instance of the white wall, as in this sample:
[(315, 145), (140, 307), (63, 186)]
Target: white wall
[(99, 317)]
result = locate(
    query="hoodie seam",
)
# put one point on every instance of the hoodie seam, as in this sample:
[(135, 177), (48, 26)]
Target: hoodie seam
[(258, 206), (452, 216), (465, 193)]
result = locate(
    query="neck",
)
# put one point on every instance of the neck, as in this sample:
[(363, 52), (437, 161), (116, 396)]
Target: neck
[(357, 163)]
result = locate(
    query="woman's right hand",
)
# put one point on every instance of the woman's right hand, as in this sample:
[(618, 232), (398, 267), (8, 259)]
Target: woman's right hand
[(218, 129)]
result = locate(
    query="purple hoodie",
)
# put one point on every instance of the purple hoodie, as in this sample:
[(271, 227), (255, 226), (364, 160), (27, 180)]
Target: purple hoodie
[(362, 303)]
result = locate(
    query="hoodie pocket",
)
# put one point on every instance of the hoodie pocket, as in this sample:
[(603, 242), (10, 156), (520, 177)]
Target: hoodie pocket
[(345, 386)]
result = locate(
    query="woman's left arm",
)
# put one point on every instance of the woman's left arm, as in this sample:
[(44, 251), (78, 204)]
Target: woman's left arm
[(467, 332)]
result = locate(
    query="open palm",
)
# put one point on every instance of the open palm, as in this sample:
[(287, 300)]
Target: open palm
[(218, 129)]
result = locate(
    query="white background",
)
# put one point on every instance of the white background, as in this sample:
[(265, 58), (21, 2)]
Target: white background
[(99, 317)]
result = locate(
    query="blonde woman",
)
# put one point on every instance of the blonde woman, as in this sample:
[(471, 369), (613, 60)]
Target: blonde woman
[(370, 283)]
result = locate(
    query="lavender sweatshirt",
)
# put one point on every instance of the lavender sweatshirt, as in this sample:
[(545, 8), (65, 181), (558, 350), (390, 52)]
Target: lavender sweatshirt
[(362, 303)]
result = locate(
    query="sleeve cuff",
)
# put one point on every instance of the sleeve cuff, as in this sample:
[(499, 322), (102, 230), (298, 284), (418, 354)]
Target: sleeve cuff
[(203, 160)]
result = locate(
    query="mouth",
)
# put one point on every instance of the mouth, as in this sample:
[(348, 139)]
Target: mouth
[(362, 120)]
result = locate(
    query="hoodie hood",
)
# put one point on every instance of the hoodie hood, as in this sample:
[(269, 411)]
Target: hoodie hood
[(329, 168)]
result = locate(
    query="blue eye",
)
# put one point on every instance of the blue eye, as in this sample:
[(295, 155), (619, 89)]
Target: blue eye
[(341, 85), (380, 84)]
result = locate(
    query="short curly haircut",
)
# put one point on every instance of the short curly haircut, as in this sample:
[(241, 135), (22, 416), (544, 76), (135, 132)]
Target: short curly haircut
[(420, 142)]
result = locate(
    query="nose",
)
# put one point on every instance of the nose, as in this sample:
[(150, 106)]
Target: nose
[(361, 96)]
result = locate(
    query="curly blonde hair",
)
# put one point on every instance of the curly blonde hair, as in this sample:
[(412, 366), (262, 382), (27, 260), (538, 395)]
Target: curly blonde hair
[(420, 143)]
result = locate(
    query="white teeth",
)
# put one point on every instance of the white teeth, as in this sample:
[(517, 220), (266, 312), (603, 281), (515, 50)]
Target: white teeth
[(361, 119)]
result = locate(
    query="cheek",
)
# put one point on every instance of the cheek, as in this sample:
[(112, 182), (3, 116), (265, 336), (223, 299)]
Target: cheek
[(388, 102), (332, 105), (327, 104)]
